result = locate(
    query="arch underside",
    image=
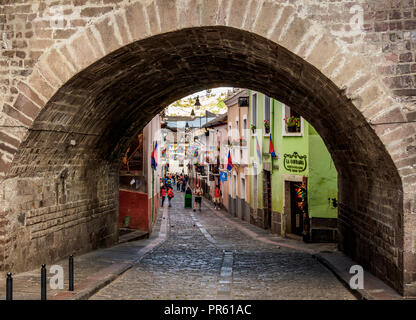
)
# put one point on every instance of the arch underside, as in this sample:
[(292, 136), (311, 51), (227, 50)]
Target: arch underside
[(104, 105)]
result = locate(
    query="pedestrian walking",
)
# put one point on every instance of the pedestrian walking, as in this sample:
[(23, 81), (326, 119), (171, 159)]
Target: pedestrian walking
[(163, 193), (183, 184), (170, 196), (178, 184), (198, 197), (217, 197)]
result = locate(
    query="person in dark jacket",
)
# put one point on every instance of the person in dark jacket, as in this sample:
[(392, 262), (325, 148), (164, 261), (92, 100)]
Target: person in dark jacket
[(178, 183), (183, 184)]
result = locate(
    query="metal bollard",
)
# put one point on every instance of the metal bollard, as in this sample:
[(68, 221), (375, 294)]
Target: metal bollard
[(43, 282), (71, 273), (9, 287)]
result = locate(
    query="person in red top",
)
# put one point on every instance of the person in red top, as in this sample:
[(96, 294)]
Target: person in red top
[(217, 197), (163, 193), (170, 195)]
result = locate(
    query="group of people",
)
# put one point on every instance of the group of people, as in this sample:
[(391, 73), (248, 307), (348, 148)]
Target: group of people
[(166, 188), (198, 192), (164, 193), (181, 181)]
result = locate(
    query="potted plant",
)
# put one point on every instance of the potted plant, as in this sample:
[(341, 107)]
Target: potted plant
[(292, 123), (267, 126), (253, 128)]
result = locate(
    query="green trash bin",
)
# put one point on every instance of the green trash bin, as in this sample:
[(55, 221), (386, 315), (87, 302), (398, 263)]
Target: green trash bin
[(126, 221), (188, 201)]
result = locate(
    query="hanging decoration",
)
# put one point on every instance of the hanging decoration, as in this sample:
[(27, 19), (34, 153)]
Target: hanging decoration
[(230, 163), (271, 147)]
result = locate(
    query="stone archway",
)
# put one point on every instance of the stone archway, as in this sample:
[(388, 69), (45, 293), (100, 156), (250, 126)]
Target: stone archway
[(107, 80)]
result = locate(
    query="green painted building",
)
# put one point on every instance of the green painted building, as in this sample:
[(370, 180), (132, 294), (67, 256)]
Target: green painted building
[(294, 193)]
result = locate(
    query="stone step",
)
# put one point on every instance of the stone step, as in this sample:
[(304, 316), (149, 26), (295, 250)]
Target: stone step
[(132, 236)]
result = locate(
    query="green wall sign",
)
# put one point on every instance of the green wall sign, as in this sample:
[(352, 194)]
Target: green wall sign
[(295, 162)]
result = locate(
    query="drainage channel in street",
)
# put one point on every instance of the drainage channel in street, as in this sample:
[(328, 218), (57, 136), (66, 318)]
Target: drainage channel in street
[(226, 271)]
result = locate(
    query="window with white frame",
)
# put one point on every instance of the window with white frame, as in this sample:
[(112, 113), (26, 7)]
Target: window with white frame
[(292, 122), (234, 185), (254, 109), (267, 112), (243, 188)]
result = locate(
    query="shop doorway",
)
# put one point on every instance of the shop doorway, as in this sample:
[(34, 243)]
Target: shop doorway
[(298, 207)]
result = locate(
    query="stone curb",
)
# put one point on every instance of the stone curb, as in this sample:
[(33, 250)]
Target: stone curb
[(359, 294), (374, 288), (91, 290)]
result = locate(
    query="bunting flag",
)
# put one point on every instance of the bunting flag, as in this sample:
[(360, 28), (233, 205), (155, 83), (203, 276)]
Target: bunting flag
[(230, 163), (258, 149), (154, 156), (271, 148)]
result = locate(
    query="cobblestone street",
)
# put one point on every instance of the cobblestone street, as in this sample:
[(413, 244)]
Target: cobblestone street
[(206, 257)]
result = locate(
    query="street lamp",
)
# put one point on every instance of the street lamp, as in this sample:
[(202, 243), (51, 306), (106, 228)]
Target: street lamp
[(197, 103)]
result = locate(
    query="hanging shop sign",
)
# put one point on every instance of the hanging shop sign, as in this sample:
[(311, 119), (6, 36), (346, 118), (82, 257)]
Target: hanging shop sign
[(223, 176), (295, 162)]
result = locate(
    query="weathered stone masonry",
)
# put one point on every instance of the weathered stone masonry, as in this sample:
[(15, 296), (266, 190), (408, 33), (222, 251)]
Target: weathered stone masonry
[(95, 71)]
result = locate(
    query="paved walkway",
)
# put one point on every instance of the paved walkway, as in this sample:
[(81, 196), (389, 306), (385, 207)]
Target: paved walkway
[(93, 270), (208, 255)]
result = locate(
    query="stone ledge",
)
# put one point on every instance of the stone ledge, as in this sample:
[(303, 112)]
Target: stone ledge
[(374, 289)]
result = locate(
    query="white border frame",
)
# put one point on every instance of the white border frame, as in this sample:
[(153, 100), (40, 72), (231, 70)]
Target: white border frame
[(248, 128), (291, 134)]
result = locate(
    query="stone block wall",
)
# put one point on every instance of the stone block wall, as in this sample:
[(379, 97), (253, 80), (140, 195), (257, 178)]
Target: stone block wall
[(51, 216)]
